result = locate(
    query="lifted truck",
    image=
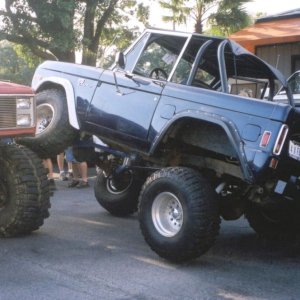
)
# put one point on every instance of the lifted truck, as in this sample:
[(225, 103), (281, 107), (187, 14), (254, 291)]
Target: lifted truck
[(24, 190), (187, 131)]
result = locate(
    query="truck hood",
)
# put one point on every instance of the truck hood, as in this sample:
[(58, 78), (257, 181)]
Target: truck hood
[(71, 68), (9, 88)]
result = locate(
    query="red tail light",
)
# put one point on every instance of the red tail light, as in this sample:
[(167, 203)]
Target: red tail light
[(280, 139), (265, 139)]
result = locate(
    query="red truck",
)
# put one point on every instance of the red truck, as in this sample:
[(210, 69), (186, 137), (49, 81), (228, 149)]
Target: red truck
[(24, 188)]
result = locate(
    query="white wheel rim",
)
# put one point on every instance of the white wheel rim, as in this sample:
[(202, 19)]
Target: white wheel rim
[(167, 214), (45, 116)]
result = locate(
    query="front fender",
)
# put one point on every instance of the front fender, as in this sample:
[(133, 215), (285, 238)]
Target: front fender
[(227, 125), (39, 82)]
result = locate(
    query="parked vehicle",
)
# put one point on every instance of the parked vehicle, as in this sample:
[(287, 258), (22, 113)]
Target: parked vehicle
[(187, 131), (24, 190), (294, 84)]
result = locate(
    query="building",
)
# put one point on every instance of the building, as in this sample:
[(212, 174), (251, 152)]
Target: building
[(275, 39)]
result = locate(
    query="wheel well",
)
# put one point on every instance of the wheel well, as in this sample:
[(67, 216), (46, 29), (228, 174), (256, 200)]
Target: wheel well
[(50, 85), (67, 89), (200, 144)]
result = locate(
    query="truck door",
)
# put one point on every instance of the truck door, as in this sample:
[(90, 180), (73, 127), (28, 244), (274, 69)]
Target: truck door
[(123, 105), (125, 100)]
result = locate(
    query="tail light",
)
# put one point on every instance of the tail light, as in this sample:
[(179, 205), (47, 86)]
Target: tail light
[(280, 139), (265, 139)]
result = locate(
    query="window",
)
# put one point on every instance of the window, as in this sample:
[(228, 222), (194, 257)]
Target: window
[(159, 56), (294, 83), (205, 73)]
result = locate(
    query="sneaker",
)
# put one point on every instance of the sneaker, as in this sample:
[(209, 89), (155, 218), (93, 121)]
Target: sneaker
[(73, 183), (82, 185), (63, 176), (70, 175), (52, 185)]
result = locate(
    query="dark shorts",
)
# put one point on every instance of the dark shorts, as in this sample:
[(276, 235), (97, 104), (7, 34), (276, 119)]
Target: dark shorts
[(69, 155)]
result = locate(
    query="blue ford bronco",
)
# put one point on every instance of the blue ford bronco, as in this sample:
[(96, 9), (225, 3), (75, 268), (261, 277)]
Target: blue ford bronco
[(187, 137)]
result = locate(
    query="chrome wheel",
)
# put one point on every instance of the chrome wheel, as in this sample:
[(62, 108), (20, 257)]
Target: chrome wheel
[(120, 183), (45, 116), (167, 214)]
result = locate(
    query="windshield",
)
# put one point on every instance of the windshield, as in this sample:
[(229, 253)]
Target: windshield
[(159, 56), (294, 85)]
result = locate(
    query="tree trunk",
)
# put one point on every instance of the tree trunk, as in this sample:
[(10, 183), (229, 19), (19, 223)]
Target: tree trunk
[(66, 56), (89, 57), (93, 33), (198, 27)]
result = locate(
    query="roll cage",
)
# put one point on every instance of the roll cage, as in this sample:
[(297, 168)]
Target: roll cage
[(218, 61)]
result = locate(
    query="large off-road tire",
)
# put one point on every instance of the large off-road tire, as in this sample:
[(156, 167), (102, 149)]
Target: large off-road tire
[(271, 222), (178, 214), (24, 191), (118, 194), (54, 132)]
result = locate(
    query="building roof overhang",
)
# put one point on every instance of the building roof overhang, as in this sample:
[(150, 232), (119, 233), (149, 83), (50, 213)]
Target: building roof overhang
[(272, 31)]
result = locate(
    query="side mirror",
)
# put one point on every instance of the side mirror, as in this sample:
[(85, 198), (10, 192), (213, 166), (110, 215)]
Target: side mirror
[(121, 60)]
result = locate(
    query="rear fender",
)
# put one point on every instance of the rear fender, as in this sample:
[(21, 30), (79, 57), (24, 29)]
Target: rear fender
[(227, 125)]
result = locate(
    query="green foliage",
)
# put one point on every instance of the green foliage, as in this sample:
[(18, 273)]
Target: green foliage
[(114, 40), (56, 29), (179, 11), (16, 64), (143, 14), (223, 16), (45, 27), (201, 11), (230, 17)]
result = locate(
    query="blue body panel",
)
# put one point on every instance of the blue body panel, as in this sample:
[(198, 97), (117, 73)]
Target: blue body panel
[(137, 111)]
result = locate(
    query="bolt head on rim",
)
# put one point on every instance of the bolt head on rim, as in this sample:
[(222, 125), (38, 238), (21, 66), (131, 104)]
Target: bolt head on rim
[(167, 214)]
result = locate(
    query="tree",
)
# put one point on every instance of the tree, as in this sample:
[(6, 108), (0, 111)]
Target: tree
[(55, 29), (179, 11), (227, 15), (200, 12), (119, 37), (15, 66), (230, 17)]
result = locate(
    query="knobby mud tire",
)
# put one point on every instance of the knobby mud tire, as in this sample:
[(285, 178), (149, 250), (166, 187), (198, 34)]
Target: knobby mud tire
[(199, 211), (273, 223), (58, 134), (119, 202), (24, 191)]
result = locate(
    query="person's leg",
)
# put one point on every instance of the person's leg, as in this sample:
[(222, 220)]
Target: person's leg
[(49, 166), (76, 175), (70, 170), (60, 164), (75, 167), (84, 171), (84, 175)]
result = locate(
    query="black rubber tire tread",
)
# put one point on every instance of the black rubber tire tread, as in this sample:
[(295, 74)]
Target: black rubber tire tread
[(200, 211), (25, 179), (262, 222), (58, 135), (122, 204)]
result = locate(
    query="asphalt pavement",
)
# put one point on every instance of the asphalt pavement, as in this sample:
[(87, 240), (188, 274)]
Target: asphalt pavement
[(82, 252)]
